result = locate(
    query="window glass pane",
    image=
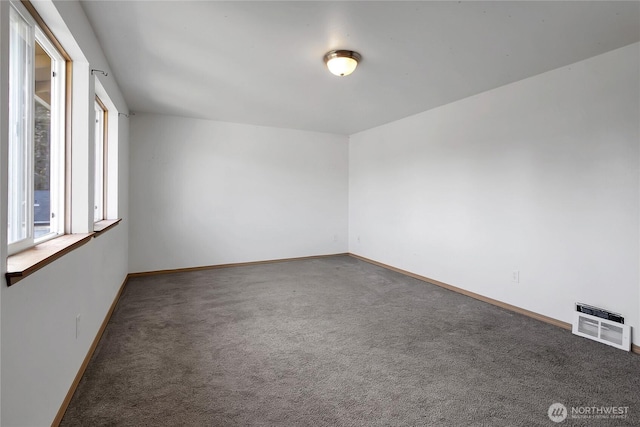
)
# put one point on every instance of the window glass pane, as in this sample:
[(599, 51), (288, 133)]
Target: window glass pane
[(42, 145), (98, 208), (37, 104), (20, 128), (49, 141)]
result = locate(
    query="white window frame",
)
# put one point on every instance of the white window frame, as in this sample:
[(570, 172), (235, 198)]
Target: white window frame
[(57, 135), (112, 118)]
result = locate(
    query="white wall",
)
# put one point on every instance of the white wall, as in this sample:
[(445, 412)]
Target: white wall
[(206, 193), (539, 176), (40, 354)]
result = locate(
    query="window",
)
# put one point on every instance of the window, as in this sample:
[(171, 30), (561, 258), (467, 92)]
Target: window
[(36, 134), (100, 141), (107, 168)]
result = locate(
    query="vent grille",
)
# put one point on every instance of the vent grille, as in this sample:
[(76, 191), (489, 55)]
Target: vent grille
[(602, 330)]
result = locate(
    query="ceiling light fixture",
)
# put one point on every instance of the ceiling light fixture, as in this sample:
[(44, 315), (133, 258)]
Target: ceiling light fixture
[(342, 62)]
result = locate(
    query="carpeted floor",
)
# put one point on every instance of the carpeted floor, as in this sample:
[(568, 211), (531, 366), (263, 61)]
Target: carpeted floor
[(336, 342)]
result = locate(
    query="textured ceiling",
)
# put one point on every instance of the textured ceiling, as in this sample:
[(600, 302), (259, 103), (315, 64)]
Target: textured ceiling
[(261, 62)]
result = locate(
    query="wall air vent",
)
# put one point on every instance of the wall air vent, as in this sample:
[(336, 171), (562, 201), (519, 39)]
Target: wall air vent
[(599, 312), (602, 330)]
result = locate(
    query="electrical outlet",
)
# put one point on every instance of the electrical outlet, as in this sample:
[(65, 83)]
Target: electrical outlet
[(515, 276), (77, 326)]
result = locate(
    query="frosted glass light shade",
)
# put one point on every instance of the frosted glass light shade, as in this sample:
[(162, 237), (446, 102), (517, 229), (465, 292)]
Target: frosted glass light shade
[(342, 62), (342, 66)]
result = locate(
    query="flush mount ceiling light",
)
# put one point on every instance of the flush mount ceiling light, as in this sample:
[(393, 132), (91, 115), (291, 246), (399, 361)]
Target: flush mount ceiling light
[(342, 62)]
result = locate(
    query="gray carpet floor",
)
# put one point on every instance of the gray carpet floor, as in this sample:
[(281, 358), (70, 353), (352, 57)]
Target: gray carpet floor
[(336, 342)]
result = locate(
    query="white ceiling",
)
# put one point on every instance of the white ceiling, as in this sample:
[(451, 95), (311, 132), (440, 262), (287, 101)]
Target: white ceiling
[(261, 62)]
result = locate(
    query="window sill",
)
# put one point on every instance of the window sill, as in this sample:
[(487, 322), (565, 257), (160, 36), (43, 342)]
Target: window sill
[(31, 260), (104, 225)]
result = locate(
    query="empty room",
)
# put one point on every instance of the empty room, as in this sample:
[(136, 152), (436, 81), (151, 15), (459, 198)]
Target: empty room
[(319, 213)]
